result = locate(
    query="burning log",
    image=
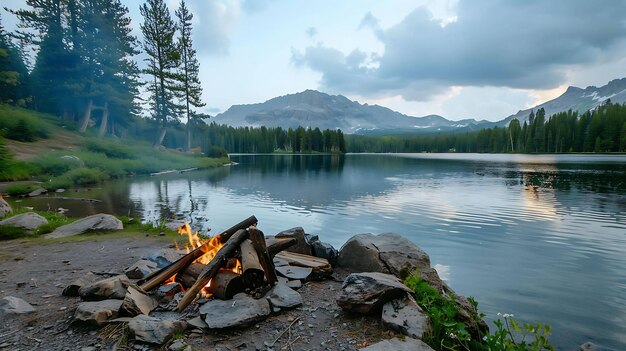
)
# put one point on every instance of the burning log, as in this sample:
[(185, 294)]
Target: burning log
[(189, 275), (258, 242), (226, 284), (275, 245), (158, 277), (225, 252), (252, 271)]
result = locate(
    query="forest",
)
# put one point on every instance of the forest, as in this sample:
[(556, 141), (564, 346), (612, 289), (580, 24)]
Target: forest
[(600, 130)]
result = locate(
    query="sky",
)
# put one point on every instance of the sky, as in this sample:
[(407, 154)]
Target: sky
[(482, 59)]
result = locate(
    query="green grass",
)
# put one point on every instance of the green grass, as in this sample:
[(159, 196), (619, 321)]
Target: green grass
[(24, 125), (20, 189)]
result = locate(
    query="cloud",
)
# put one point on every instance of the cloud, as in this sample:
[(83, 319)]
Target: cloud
[(517, 44), (254, 6), (216, 23), (311, 32)]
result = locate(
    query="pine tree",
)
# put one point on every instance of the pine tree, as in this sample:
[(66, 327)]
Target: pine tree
[(190, 87), (163, 56)]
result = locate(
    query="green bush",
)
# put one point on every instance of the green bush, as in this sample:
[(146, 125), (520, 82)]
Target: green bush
[(217, 152), (85, 176), (20, 189), (55, 183), (55, 220), (110, 149), (8, 232), (24, 125), (57, 163)]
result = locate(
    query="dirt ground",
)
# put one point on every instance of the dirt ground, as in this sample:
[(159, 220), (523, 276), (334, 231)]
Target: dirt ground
[(38, 273)]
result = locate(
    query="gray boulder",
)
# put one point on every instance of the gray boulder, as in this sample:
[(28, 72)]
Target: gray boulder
[(325, 250), (72, 289), (302, 245), (96, 222), (283, 297), (97, 312), (368, 292), (387, 253), (37, 192), (154, 330), (405, 316), (239, 312), (29, 221), (5, 208), (395, 344), (110, 288), (137, 302), (14, 305), (140, 269)]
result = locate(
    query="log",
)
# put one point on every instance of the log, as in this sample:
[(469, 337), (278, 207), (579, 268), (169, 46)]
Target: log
[(320, 266), (189, 275), (252, 272), (158, 277), (258, 242), (226, 284), (276, 245), (222, 255)]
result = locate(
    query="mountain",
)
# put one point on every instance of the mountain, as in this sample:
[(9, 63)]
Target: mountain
[(577, 99), (312, 108)]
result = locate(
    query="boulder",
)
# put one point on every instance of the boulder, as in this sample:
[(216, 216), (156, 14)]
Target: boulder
[(140, 269), (325, 250), (293, 272), (154, 330), (368, 292), (387, 253), (405, 316), (37, 192), (29, 221), (14, 305), (97, 312), (110, 288), (92, 223), (395, 344), (283, 297), (74, 287), (239, 312), (5, 208), (302, 245), (137, 302)]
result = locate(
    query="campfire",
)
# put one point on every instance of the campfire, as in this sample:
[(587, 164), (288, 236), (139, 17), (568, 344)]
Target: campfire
[(238, 260)]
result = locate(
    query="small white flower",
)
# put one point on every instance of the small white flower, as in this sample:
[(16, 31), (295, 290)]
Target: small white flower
[(452, 335), (499, 314)]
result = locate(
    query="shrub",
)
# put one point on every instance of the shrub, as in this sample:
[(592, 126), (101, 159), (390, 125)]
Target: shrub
[(56, 164), (217, 152), (20, 189), (8, 232), (85, 176), (111, 149), (61, 182)]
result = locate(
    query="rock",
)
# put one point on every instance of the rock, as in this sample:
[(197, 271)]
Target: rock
[(387, 253), (14, 305), (140, 269), (283, 297), (92, 223), (239, 312), (37, 192), (302, 244), (60, 190), (405, 316), (198, 322), (137, 302), (395, 344), (168, 291), (177, 345), (5, 208), (174, 225), (293, 272), (110, 288), (294, 284), (97, 312), (72, 289), (589, 346), (154, 330), (280, 262), (368, 292), (325, 250), (29, 221), (165, 256)]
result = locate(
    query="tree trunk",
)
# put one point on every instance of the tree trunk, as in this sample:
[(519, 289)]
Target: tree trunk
[(188, 149), (159, 141), (86, 117), (105, 120)]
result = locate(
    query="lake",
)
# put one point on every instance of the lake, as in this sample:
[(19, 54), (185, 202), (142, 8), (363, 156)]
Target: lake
[(540, 236)]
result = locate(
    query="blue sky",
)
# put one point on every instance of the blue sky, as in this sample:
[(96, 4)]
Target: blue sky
[(457, 58)]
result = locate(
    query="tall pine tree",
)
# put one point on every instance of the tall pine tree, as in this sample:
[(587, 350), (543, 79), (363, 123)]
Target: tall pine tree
[(190, 87), (163, 56)]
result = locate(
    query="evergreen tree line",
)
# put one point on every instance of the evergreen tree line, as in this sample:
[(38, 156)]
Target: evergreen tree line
[(84, 70), (600, 130)]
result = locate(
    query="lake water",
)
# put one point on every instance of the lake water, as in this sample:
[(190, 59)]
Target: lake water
[(542, 237)]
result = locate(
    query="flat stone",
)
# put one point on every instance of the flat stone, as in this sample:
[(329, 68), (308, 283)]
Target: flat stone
[(294, 284), (29, 221), (110, 288), (368, 292), (140, 269), (177, 345), (5, 208), (405, 316), (165, 256), (137, 302), (96, 222), (198, 322), (37, 192), (395, 344), (293, 272), (72, 289), (154, 330), (302, 245), (283, 297), (97, 312), (239, 312), (14, 305), (169, 290), (280, 262)]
